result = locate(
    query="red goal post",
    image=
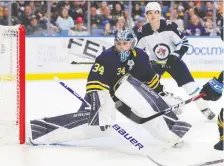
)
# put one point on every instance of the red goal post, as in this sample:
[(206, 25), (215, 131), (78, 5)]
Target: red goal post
[(12, 84)]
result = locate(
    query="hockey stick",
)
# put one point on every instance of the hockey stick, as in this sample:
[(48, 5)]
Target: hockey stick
[(73, 92), (76, 95), (81, 63), (140, 120)]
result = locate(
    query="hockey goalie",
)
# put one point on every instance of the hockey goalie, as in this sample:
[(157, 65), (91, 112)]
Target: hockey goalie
[(120, 80)]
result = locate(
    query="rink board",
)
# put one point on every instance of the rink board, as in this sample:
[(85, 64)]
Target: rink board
[(54, 56)]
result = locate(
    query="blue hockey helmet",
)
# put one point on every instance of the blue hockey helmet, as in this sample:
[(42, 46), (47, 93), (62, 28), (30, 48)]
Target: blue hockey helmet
[(124, 35)]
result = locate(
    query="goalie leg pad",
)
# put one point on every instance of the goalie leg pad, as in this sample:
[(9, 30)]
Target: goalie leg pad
[(146, 103)]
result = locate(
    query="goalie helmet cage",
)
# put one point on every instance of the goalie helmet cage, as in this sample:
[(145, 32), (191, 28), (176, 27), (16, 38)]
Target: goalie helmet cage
[(12, 84)]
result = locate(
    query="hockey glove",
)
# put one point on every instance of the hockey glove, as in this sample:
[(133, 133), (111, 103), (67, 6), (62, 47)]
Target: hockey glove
[(172, 59), (213, 90)]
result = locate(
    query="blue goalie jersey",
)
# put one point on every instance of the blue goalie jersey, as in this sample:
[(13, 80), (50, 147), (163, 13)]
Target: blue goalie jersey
[(108, 69)]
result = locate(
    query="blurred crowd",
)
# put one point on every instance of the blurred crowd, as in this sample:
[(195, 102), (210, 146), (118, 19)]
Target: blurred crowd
[(103, 18)]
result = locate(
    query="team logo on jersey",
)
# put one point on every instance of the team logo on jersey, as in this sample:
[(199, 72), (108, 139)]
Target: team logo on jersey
[(161, 51), (130, 63)]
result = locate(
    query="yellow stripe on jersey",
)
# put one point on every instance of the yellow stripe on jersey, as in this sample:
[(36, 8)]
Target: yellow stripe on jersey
[(134, 53), (152, 79), (155, 86), (98, 82), (96, 85), (154, 82)]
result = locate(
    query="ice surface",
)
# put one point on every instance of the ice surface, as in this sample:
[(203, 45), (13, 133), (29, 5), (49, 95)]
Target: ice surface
[(47, 98)]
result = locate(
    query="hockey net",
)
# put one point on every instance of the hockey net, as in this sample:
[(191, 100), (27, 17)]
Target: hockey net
[(12, 84)]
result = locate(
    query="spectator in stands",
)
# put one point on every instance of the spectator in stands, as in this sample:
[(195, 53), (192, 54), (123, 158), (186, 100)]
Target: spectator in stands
[(34, 28), (128, 22), (107, 28), (25, 18), (78, 9), (191, 4), (107, 16), (67, 5), (209, 14), (219, 19), (195, 28), (177, 19), (138, 25), (95, 18), (199, 10), (4, 18), (209, 27), (79, 25), (209, 5), (191, 12), (21, 5), (41, 6), (64, 21), (103, 6), (142, 5), (33, 7), (54, 12), (79, 29), (120, 24), (137, 12), (117, 11)]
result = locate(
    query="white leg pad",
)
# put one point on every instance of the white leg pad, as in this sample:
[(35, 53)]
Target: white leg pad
[(157, 127)]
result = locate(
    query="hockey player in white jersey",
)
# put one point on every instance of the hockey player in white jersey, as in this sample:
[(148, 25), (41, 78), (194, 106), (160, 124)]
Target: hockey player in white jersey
[(163, 41)]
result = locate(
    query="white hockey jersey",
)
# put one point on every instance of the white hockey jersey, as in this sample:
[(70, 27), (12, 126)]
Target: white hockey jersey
[(161, 43)]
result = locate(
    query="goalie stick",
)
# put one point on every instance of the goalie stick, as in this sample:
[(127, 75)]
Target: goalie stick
[(73, 92)]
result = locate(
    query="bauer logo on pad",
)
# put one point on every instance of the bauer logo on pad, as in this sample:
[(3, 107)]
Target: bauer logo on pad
[(127, 136)]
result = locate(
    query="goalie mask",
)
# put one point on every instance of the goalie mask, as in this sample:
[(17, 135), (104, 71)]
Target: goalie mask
[(125, 41)]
